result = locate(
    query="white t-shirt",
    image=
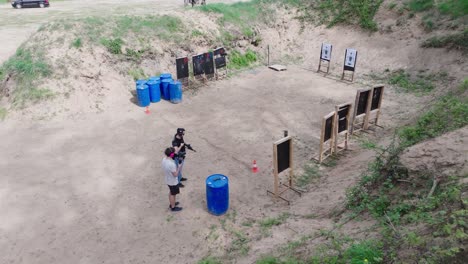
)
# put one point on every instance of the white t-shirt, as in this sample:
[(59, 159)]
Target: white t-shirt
[(169, 166)]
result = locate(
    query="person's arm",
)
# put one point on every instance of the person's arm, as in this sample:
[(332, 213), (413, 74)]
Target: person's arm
[(177, 148), (175, 173)]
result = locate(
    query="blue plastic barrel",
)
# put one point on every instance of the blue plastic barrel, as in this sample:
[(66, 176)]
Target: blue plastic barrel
[(175, 92), (166, 76), (154, 89), (143, 95), (140, 82), (217, 194), (165, 88), (152, 78)]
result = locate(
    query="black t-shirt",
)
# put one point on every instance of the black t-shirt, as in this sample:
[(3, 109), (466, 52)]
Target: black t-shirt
[(177, 142)]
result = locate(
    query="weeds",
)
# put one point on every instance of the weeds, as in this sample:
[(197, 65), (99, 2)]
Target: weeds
[(452, 41), (137, 73), (349, 12), (26, 68), (209, 260), (310, 173), (3, 113), (409, 83), (239, 244), (77, 43), (268, 223), (454, 8), (114, 46), (420, 5), (238, 60)]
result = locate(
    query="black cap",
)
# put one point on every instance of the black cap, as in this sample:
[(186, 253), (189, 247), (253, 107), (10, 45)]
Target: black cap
[(180, 131)]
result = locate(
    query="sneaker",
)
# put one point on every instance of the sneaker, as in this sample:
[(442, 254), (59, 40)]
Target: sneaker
[(181, 185), (176, 204), (176, 209), (183, 179)]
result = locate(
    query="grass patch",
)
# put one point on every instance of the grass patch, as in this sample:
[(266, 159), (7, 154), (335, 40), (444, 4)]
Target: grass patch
[(311, 172), (26, 68), (239, 244), (449, 113), (360, 12), (451, 41), (239, 61), (209, 260), (268, 223), (420, 5), (114, 46), (454, 8), (3, 113), (409, 83), (137, 74), (77, 43)]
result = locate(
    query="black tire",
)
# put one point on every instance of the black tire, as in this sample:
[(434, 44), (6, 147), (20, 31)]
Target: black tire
[(41, 5)]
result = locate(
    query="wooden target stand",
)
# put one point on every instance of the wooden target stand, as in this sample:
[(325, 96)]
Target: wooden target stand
[(220, 61), (327, 137), (341, 127), (283, 160), (368, 103)]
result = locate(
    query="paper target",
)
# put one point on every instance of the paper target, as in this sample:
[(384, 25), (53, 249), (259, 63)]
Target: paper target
[(350, 58), (326, 52)]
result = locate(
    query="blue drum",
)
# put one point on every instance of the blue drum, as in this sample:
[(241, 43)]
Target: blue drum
[(165, 88), (143, 95), (175, 92), (154, 88), (217, 194)]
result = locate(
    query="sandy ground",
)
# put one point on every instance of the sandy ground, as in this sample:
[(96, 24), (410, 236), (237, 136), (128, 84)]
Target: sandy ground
[(87, 187), (90, 190)]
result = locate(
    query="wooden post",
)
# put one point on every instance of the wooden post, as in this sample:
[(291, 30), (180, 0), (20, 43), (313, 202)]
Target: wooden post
[(275, 171), (268, 52)]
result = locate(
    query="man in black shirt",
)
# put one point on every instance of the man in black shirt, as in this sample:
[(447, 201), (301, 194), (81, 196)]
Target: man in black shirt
[(179, 146)]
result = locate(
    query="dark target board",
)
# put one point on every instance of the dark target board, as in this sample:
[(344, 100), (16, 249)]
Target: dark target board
[(362, 102), (376, 97), (220, 62), (198, 62), (328, 128), (182, 67), (219, 51), (208, 63), (284, 155), (343, 117)]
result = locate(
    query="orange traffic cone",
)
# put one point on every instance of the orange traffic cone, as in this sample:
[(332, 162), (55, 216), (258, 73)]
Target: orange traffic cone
[(147, 111), (254, 167)]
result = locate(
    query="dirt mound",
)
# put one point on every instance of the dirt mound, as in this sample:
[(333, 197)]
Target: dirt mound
[(446, 155)]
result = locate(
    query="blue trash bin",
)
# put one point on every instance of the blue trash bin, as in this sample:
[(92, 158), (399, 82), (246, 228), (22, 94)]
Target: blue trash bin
[(175, 92), (217, 194), (155, 92), (143, 95)]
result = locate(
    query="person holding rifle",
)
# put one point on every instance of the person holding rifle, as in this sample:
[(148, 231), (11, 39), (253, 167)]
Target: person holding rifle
[(179, 145)]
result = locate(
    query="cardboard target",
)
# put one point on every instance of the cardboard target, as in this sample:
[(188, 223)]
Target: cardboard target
[(350, 59), (325, 54), (198, 62), (220, 62), (182, 67), (208, 63)]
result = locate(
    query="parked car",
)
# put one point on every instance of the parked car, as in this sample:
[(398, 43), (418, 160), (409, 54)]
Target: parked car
[(30, 3)]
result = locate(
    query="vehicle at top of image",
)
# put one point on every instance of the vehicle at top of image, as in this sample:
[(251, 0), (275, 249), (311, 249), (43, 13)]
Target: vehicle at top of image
[(194, 2), (30, 3)]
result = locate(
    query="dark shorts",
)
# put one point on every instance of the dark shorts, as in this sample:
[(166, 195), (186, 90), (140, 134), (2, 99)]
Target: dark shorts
[(174, 189)]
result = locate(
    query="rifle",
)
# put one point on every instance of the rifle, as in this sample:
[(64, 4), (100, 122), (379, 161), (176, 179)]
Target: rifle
[(190, 147)]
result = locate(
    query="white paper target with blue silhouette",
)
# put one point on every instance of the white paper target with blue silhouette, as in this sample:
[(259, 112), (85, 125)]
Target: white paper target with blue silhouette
[(350, 59), (326, 52)]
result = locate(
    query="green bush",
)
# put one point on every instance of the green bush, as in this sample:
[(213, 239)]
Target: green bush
[(420, 83), (364, 252), (238, 60), (420, 5), (455, 8), (77, 43)]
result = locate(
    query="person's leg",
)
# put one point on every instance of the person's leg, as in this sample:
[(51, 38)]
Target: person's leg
[(172, 199), (179, 176)]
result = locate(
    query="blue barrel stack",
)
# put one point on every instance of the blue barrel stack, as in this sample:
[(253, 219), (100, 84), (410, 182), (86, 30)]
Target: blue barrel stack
[(217, 194), (157, 87)]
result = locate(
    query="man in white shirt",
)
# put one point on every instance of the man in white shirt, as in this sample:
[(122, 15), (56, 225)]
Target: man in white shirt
[(171, 172)]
